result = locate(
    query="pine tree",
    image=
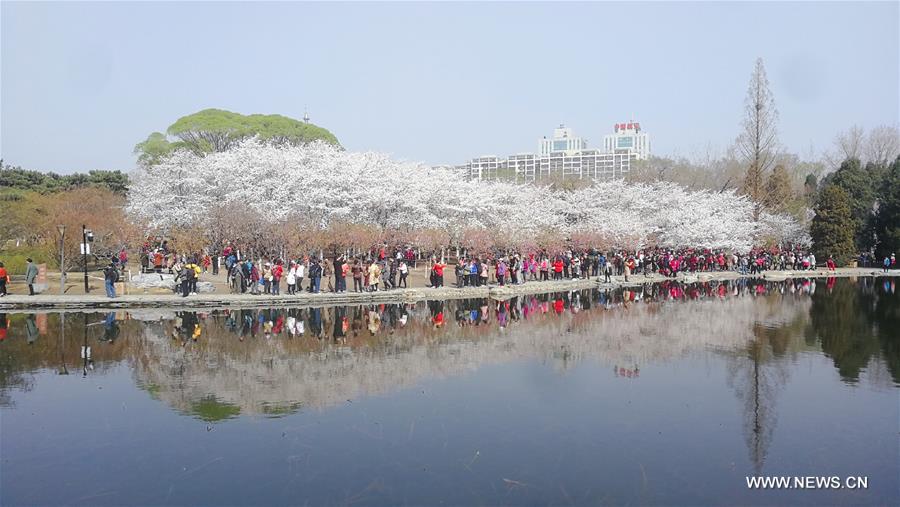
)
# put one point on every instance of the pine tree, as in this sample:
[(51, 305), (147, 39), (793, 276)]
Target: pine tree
[(887, 221), (833, 227), (810, 189), (860, 184), (778, 189)]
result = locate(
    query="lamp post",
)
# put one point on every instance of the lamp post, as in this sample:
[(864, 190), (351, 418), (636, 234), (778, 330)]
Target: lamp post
[(87, 236), (84, 256), (62, 258)]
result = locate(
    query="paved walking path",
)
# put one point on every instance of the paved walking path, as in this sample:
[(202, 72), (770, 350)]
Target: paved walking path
[(213, 300)]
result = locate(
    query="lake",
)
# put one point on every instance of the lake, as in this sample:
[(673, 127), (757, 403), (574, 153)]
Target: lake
[(670, 394)]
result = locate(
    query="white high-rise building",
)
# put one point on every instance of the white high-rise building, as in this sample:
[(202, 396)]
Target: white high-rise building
[(567, 155), (628, 138), (563, 141)]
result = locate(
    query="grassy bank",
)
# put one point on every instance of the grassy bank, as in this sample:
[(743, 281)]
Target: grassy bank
[(15, 258)]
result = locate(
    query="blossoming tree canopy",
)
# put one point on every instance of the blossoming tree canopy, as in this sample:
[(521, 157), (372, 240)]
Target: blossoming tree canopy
[(320, 186)]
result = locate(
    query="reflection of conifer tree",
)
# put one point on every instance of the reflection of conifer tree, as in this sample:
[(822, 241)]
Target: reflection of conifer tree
[(887, 318), (756, 375), (10, 375), (845, 324)]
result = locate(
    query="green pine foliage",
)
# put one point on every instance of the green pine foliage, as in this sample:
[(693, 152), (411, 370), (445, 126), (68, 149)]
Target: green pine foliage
[(833, 227), (14, 180), (778, 190), (887, 220), (861, 186)]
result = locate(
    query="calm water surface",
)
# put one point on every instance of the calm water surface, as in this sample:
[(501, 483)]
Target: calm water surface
[(671, 394)]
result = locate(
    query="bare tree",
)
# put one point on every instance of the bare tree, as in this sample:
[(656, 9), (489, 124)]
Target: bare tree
[(850, 144), (758, 140), (709, 170), (882, 145), (847, 145)]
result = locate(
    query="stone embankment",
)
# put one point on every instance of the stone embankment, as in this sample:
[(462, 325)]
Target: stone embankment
[(411, 295)]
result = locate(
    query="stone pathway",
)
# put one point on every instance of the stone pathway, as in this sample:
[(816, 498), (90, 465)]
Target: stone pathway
[(305, 299)]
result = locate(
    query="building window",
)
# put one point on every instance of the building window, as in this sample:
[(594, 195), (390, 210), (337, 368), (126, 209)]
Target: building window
[(625, 142)]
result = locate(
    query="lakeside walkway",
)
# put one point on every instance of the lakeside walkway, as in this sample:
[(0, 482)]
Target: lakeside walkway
[(54, 302)]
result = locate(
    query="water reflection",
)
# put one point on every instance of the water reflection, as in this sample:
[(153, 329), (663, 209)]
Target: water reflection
[(231, 365), (854, 323), (241, 358)]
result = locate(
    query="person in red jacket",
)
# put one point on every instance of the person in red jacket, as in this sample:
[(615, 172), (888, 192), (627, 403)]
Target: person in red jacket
[(4, 279), (437, 271), (277, 271), (557, 269), (830, 264)]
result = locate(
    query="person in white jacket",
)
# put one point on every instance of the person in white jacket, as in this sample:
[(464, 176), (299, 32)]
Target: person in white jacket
[(300, 273), (292, 279)]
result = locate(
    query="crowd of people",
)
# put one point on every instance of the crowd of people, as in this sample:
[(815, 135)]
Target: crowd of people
[(385, 268), (388, 268), (314, 274)]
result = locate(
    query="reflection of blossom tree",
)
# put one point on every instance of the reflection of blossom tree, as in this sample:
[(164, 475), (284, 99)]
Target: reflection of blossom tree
[(307, 372)]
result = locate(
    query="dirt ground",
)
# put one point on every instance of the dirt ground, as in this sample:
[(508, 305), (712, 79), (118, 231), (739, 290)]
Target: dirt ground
[(418, 278)]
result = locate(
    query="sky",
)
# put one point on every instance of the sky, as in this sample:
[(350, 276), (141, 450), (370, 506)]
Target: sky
[(439, 83)]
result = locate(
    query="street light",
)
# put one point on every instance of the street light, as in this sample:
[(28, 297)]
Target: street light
[(87, 235), (62, 258)]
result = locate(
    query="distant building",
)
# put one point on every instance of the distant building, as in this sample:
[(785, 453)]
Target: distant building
[(487, 167), (527, 167), (563, 141), (566, 155), (628, 138)]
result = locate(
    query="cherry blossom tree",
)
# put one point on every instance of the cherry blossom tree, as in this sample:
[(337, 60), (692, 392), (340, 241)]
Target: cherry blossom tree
[(319, 197)]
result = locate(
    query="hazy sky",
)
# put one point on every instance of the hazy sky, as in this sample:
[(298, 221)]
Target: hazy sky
[(438, 82)]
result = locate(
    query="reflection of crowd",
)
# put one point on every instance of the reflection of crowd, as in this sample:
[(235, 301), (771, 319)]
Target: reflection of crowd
[(342, 329), (621, 371), (4, 326), (186, 327), (342, 322), (335, 323)]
